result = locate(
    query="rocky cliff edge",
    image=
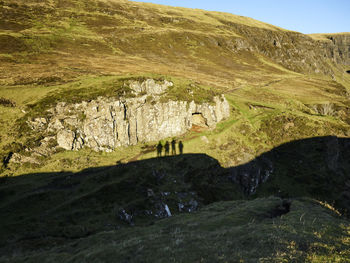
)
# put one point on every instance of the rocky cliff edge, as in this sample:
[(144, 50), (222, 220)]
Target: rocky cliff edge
[(105, 123)]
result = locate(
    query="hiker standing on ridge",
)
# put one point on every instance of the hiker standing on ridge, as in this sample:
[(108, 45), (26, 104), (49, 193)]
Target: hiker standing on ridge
[(173, 147)]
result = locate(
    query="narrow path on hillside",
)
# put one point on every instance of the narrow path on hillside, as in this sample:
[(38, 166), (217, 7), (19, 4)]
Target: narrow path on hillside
[(270, 83)]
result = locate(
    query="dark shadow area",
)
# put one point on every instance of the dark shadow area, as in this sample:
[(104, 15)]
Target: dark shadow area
[(348, 71), (7, 103), (280, 210), (72, 205), (316, 167)]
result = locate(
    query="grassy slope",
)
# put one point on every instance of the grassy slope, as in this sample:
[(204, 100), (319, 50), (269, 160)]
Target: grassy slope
[(71, 53), (129, 37), (235, 231), (56, 46), (325, 36)]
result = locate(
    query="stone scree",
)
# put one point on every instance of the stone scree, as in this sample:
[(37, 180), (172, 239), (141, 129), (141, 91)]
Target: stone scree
[(106, 123)]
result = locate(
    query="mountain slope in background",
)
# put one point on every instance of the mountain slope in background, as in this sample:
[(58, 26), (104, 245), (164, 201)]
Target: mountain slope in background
[(276, 80), (284, 89)]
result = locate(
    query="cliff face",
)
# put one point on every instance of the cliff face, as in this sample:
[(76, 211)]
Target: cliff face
[(339, 48), (106, 123), (309, 162), (293, 50)]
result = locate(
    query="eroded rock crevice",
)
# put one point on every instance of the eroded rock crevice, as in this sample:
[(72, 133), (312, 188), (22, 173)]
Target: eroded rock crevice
[(199, 120)]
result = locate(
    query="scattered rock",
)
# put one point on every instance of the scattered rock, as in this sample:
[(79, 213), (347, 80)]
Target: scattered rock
[(204, 139), (125, 217), (167, 210), (162, 210), (65, 139), (38, 124), (250, 175), (150, 193), (188, 207)]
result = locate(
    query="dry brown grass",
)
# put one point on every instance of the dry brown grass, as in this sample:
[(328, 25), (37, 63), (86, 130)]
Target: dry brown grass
[(54, 45)]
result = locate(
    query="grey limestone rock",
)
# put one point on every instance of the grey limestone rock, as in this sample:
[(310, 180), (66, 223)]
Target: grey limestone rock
[(65, 139), (105, 123)]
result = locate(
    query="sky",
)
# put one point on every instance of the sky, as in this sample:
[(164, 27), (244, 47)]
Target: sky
[(305, 16)]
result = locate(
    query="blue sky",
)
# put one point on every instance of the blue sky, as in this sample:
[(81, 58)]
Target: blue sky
[(306, 16)]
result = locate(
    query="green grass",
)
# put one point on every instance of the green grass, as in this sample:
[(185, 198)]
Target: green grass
[(239, 231), (71, 51), (34, 100), (247, 133), (325, 36)]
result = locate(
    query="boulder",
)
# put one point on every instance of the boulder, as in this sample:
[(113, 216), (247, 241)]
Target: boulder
[(65, 139)]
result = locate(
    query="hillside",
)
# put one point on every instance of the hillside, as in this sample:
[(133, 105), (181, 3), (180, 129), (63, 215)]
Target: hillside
[(88, 88), (275, 80), (121, 213)]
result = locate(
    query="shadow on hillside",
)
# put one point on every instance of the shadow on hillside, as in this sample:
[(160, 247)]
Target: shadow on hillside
[(74, 205), (316, 167), (307, 161)]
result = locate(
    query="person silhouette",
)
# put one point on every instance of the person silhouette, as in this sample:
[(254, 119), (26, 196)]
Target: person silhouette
[(181, 147), (159, 149), (173, 147), (167, 146)]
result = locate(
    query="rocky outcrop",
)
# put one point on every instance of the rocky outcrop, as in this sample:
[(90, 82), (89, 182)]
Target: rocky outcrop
[(252, 174), (295, 51), (104, 124), (313, 163), (338, 46)]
